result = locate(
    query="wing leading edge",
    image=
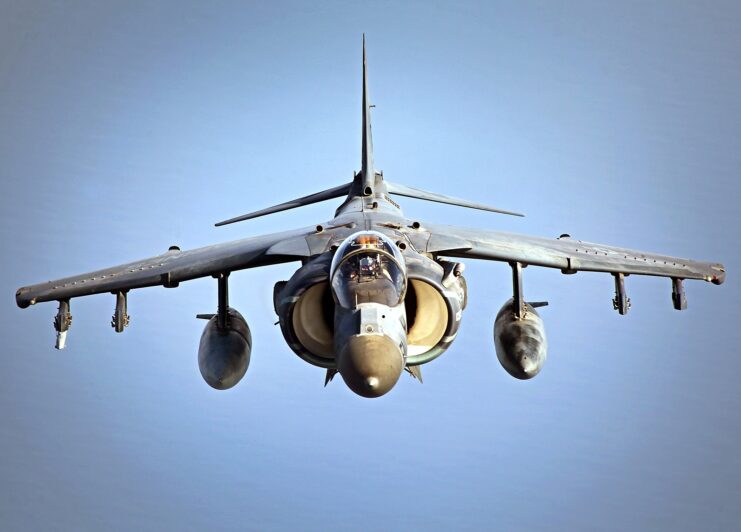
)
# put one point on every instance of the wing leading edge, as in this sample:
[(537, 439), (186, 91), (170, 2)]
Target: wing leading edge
[(567, 254), (174, 266)]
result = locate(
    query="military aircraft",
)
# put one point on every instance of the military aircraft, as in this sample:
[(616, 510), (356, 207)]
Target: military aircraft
[(376, 293)]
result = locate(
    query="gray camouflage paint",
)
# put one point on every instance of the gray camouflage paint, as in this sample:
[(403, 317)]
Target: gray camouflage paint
[(368, 207)]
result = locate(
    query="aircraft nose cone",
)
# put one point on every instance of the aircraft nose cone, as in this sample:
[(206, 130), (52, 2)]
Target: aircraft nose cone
[(371, 383), (370, 364)]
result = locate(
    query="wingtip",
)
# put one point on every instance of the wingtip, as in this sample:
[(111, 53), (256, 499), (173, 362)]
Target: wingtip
[(22, 299), (720, 276)]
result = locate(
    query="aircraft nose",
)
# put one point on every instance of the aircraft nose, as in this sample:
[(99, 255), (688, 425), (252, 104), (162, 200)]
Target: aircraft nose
[(371, 383), (370, 364)]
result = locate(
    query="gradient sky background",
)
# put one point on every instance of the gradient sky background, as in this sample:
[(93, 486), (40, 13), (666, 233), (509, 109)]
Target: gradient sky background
[(128, 127)]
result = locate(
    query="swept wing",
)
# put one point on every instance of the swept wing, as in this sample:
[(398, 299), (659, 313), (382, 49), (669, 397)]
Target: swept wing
[(174, 266), (565, 253)]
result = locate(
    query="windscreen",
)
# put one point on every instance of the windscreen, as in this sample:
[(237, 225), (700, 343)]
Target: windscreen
[(368, 268)]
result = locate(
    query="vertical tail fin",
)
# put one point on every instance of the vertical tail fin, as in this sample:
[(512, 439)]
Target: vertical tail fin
[(367, 171)]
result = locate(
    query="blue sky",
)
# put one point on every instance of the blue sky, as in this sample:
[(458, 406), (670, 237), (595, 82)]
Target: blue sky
[(128, 127)]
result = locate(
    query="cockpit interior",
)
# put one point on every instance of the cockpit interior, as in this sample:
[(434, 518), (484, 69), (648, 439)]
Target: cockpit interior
[(368, 268)]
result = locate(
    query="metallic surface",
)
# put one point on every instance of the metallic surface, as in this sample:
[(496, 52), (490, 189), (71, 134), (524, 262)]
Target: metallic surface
[(370, 364), (120, 318), (405, 334), (314, 273), (679, 299), (621, 301), (371, 344), (62, 323), (224, 353), (520, 343), (409, 192)]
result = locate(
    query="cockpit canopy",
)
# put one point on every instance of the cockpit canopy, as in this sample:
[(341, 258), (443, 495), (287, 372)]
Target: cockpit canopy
[(368, 268)]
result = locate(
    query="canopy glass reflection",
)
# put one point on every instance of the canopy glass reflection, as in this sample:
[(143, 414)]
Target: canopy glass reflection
[(368, 268)]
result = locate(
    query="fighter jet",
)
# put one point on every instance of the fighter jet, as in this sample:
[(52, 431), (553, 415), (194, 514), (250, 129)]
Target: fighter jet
[(376, 293)]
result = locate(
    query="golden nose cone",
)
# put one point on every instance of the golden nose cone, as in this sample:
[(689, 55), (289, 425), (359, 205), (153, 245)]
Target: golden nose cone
[(370, 364)]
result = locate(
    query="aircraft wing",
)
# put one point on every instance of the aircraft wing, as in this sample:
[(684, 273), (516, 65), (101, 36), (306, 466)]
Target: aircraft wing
[(565, 253), (174, 266)]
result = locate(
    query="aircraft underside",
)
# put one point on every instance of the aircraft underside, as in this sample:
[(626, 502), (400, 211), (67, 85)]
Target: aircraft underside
[(376, 292)]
